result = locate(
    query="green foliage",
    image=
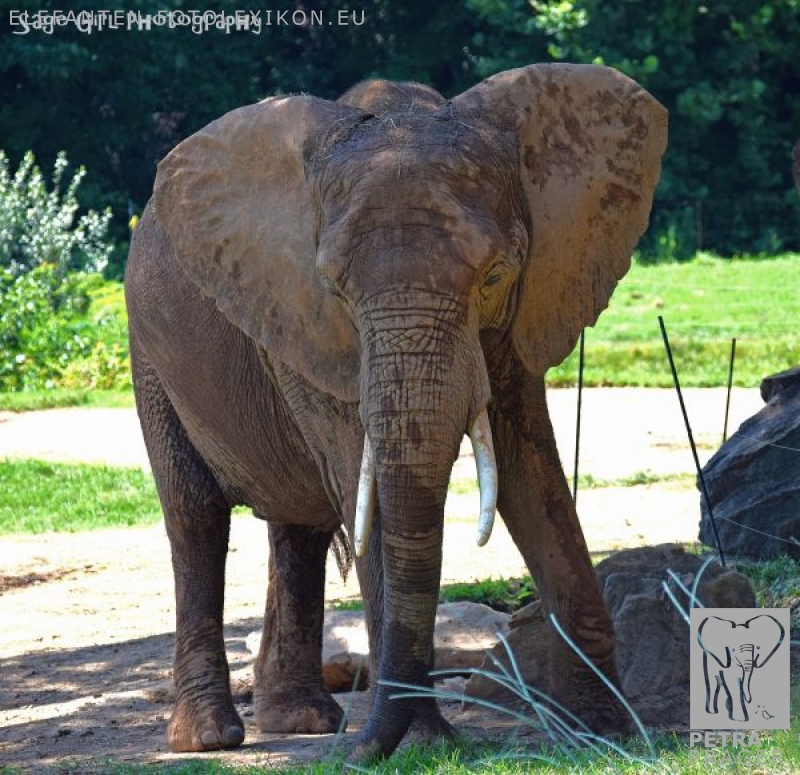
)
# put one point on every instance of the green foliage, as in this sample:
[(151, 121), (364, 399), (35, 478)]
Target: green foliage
[(34, 400), (48, 337), (38, 226), (38, 497), (722, 69), (49, 261), (507, 595), (122, 99), (41, 326), (777, 585)]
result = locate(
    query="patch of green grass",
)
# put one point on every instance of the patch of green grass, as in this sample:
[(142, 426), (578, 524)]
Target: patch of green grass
[(463, 486), (776, 583), (349, 604), (674, 757), (36, 497), (506, 595), (779, 573), (705, 303), (28, 401)]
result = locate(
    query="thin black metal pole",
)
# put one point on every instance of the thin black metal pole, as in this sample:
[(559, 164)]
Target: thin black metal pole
[(691, 439), (730, 387), (578, 419)]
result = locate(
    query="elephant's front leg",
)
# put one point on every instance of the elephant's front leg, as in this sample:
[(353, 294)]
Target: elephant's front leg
[(536, 504), (197, 518), (204, 717), (289, 696)]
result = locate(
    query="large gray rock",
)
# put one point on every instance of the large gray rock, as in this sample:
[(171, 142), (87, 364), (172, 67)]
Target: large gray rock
[(753, 480), (652, 638)]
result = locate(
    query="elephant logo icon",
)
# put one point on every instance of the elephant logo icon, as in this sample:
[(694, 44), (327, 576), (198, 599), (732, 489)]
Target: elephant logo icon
[(732, 651)]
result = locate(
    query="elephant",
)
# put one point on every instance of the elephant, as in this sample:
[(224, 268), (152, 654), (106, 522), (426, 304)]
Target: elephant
[(324, 298), (736, 650)]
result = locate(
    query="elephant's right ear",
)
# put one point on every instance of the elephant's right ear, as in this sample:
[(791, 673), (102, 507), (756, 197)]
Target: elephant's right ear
[(237, 208)]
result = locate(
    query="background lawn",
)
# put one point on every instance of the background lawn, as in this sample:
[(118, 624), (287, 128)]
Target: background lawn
[(705, 303), (37, 497)]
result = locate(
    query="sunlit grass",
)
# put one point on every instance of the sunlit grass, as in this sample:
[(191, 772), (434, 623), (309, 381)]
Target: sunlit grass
[(28, 401), (37, 497), (705, 303)]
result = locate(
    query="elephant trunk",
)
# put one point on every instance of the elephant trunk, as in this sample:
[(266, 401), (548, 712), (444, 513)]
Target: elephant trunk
[(746, 653), (420, 392)]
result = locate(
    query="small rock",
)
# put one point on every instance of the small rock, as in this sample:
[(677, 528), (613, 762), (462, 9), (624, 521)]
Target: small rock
[(346, 672)]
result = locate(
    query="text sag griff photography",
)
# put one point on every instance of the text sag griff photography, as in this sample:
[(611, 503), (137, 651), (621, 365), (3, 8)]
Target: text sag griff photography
[(198, 22)]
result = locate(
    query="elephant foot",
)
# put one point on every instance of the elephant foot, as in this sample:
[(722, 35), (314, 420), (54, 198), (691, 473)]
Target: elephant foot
[(429, 727), (298, 712), (606, 716), (204, 727)]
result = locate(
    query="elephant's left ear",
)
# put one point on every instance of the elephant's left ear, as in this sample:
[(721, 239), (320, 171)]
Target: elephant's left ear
[(590, 144), (239, 212)]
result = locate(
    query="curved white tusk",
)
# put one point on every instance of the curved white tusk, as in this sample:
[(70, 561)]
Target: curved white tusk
[(480, 435), (365, 502)]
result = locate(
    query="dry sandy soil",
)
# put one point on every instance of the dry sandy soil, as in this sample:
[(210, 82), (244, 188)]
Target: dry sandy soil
[(87, 619)]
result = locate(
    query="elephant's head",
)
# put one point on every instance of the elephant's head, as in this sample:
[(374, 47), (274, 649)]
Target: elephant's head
[(748, 646), (369, 252)]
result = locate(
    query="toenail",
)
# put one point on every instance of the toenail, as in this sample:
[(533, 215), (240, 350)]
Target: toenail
[(233, 735)]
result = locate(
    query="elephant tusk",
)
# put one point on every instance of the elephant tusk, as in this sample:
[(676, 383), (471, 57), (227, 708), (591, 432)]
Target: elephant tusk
[(365, 502), (480, 435)]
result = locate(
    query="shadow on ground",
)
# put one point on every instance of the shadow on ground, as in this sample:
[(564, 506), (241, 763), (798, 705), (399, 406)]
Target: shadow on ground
[(82, 708)]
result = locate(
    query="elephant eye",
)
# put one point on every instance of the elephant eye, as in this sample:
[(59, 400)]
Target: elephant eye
[(493, 279)]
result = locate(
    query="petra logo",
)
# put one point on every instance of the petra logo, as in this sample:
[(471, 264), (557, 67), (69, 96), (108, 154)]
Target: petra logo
[(739, 668)]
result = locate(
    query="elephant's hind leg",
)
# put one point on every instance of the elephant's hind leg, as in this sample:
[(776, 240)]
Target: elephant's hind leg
[(289, 696), (197, 518)]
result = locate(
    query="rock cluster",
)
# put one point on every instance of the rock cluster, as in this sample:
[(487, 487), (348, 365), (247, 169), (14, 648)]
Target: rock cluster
[(652, 645)]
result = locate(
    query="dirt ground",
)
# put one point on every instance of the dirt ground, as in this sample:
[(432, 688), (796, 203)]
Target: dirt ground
[(86, 619)]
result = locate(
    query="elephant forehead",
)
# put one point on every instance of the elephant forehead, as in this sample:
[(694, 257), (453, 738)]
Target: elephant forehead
[(416, 156)]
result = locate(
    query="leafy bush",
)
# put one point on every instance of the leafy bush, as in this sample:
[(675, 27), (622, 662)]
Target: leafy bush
[(106, 367), (41, 328), (38, 226), (49, 265), (48, 338)]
